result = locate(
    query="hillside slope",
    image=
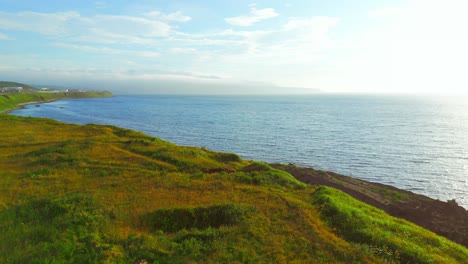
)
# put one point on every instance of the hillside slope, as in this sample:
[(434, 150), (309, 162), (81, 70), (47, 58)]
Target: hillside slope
[(26, 88), (103, 194), (447, 219)]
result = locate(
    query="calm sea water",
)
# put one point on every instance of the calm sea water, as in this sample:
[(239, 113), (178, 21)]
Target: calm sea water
[(418, 144)]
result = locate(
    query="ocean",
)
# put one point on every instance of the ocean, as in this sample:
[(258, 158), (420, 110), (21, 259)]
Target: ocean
[(414, 143)]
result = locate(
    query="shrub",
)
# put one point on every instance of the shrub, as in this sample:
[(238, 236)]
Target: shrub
[(175, 219), (144, 247), (256, 166), (262, 174), (66, 230), (226, 157)]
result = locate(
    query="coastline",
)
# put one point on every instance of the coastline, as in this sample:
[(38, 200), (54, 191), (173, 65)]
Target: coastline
[(443, 218), (67, 183), (23, 105), (447, 219), (310, 140), (16, 101)]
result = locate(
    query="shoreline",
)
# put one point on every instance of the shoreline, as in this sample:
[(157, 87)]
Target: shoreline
[(444, 218), (20, 100), (117, 192), (23, 105), (447, 219)]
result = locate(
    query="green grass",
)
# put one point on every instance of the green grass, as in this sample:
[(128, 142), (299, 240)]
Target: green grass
[(102, 194), (69, 229), (262, 174), (376, 232)]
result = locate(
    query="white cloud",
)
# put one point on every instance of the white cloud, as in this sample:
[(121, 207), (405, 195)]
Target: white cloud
[(290, 55), (99, 29), (208, 41), (3, 36), (97, 36), (321, 24), (39, 74), (100, 4), (183, 50), (253, 17), (128, 26), (271, 55), (176, 16), (386, 12), (106, 50), (51, 24)]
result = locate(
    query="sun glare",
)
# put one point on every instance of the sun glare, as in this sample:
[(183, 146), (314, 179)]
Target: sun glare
[(430, 66), (428, 50)]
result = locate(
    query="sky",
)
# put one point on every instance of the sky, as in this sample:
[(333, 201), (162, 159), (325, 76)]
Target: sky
[(236, 46)]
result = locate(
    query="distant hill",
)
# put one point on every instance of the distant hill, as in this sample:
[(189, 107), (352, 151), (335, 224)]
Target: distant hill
[(26, 88)]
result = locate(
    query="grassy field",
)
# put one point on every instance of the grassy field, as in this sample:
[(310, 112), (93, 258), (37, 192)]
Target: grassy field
[(102, 194)]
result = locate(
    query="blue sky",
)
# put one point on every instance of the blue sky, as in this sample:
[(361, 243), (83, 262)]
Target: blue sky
[(229, 47)]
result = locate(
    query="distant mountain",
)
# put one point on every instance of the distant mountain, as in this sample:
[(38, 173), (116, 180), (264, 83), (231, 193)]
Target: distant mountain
[(26, 88)]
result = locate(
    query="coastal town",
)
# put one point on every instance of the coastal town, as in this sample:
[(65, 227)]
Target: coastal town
[(9, 88)]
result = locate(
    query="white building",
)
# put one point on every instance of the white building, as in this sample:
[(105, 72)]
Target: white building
[(12, 89)]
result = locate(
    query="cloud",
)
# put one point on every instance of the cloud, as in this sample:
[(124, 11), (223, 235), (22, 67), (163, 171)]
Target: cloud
[(106, 50), (144, 82), (4, 37), (183, 50), (99, 29), (50, 24), (289, 55), (128, 25), (176, 16), (128, 45), (319, 24), (386, 12), (42, 74), (100, 4), (255, 15)]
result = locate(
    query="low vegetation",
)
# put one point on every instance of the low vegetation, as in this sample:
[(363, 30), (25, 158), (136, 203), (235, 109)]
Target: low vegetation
[(102, 194), (199, 217), (393, 239)]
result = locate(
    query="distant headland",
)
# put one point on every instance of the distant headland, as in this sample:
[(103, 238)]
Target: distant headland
[(14, 94)]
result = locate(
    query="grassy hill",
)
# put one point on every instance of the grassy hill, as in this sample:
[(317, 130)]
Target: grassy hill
[(102, 194), (26, 88)]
